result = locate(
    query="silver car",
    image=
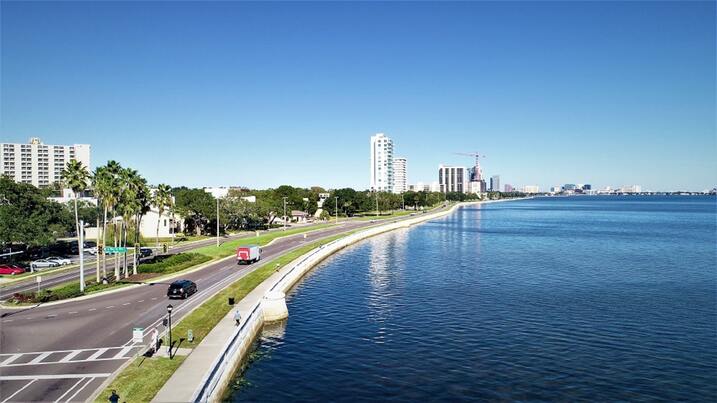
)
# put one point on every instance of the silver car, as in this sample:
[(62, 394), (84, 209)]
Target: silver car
[(43, 263), (61, 260)]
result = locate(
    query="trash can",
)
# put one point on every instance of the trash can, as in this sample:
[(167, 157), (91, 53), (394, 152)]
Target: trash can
[(231, 300)]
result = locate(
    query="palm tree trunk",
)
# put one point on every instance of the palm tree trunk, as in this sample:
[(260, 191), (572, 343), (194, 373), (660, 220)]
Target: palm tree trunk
[(80, 246), (104, 243), (97, 243), (159, 217), (114, 236)]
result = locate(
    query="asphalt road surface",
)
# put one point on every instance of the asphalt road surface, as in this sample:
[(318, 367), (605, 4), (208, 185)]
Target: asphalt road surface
[(53, 279), (65, 352)]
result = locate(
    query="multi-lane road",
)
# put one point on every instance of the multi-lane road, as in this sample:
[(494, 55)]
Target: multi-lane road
[(64, 352), (59, 277)]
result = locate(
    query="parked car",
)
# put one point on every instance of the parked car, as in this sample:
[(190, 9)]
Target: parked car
[(61, 260), (248, 254), (181, 289), (43, 264), (145, 252), (92, 251), (10, 269)]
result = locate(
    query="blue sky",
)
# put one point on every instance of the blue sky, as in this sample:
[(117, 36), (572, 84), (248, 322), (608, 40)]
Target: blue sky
[(262, 94)]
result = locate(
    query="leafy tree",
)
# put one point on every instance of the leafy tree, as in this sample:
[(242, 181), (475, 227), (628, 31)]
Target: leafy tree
[(27, 217), (162, 200), (197, 207)]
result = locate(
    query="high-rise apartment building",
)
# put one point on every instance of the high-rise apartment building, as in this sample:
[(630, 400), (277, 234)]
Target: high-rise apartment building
[(40, 164), (508, 188), (531, 189), (381, 163), (451, 179), (400, 183), (495, 183)]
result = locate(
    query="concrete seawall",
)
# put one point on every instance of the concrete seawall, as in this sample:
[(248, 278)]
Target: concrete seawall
[(206, 373)]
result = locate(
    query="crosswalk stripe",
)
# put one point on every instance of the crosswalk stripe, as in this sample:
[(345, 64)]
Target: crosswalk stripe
[(70, 356), (123, 352), (96, 354), (11, 359), (40, 358), (19, 390)]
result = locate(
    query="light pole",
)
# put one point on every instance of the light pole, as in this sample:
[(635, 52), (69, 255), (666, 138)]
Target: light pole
[(284, 212), (337, 209), (169, 321), (403, 203), (217, 222), (377, 212), (82, 255)]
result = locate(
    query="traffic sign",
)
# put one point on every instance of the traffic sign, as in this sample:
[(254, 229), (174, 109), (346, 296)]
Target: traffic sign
[(110, 250), (137, 334)]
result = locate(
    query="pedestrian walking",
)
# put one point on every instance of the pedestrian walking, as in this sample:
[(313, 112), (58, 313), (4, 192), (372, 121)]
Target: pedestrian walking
[(155, 340), (237, 317), (114, 397)]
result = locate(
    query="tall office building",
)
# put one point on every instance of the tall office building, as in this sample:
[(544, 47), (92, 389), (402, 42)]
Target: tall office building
[(400, 183), (508, 188), (495, 183), (381, 163), (40, 164), (451, 179)]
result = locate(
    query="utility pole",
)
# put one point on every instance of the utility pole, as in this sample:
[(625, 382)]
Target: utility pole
[(82, 255), (217, 222), (284, 212), (377, 212), (337, 209), (403, 202)]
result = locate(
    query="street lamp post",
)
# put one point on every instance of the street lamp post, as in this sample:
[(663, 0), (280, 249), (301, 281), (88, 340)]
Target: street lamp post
[(217, 222), (284, 212), (337, 209), (377, 212), (82, 255), (169, 313)]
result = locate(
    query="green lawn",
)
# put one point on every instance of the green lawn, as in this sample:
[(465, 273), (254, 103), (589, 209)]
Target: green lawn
[(229, 248), (173, 263), (385, 216), (141, 380)]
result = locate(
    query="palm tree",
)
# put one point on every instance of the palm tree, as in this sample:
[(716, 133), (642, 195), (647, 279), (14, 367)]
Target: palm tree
[(102, 187), (162, 199), (75, 177), (115, 192)]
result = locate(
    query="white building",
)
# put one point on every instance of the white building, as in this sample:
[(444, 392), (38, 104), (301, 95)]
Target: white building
[(631, 189), (218, 192), (451, 178), (531, 189), (69, 196), (556, 189), (474, 187), (40, 164), (435, 187), (400, 183), (381, 163)]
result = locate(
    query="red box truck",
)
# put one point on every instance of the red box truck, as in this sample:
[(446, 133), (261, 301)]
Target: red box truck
[(248, 254)]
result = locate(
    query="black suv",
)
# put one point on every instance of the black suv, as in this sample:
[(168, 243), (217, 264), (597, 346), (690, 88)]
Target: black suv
[(181, 289), (145, 252)]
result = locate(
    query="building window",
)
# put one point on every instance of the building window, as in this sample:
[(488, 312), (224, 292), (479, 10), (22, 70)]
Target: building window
[(165, 222)]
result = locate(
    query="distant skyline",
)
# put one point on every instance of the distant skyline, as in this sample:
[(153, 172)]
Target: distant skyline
[(263, 94)]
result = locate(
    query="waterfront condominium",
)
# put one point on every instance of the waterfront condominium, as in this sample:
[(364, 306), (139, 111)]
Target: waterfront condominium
[(40, 164), (381, 163), (451, 178), (400, 183), (495, 183)]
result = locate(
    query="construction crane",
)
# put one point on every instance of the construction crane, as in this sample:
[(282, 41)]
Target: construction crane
[(477, 156)]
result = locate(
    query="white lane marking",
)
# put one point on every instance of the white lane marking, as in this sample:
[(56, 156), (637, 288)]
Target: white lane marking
[(123, 352), (28, 318), (109, 307), (80, 389), (8, 320), (96, 354), (19, 390), (57, 376), (70, 356), (141, 300), (92, 309), (39, 358), (126, 303), (11, 359), (72, 313), (63, 351), (154, 299), (69, 390), (51, 316)]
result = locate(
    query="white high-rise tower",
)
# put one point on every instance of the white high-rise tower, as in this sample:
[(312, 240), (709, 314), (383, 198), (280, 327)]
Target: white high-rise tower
[(381, 163), (400, 183)]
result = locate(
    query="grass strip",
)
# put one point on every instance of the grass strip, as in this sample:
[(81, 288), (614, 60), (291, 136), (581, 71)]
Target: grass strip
[(229, 248), (173, 263), (141, 380)]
